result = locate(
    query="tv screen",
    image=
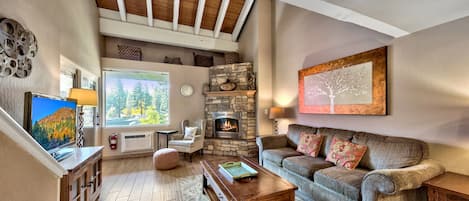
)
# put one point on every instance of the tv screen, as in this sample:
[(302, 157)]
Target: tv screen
[(51, 121)]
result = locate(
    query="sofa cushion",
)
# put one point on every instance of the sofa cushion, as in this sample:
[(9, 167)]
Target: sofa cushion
[(305, 165), (294, 131), (181, 142), (328, 134), (386, 152), (345, 154), (309, 144), (277, 155), (341, 180)]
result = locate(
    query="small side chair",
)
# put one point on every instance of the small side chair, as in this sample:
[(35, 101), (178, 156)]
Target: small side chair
[(189, 146)]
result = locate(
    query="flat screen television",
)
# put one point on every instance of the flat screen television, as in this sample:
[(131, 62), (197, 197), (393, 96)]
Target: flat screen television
[(51, 121)]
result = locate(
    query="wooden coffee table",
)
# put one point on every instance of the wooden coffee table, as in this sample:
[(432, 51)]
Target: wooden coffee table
[(265, 186)]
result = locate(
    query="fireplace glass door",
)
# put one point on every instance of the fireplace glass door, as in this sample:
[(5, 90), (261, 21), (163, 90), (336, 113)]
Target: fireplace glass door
[(226, 125)]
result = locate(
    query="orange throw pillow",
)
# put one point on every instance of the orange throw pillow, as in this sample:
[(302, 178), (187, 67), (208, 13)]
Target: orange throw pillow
[(345, 154), (309, 144)]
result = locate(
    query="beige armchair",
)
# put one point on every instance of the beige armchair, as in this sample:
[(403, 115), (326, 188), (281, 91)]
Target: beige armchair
[(189, 146)]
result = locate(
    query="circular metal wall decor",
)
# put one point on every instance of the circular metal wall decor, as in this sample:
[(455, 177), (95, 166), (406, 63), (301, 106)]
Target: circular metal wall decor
[(17, 47)]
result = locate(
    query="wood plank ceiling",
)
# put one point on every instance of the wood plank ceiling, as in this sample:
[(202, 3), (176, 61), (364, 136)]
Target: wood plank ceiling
[(163, 10)]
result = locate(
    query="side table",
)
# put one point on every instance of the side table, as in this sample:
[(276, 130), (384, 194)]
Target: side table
[(167, 133), (448, 187)]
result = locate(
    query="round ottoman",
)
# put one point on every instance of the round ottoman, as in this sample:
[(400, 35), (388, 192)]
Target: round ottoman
[(165, 159)]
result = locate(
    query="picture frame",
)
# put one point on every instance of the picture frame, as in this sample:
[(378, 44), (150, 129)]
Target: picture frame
[(353, 85)]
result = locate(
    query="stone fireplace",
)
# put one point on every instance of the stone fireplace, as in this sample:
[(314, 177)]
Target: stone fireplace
[(231, 115)]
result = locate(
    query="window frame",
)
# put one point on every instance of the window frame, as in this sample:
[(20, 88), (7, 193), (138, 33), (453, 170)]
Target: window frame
[(103, 95), (68, 72), (94, 109)]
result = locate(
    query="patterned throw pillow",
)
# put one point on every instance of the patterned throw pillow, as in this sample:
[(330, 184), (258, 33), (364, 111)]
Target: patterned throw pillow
[(345, 154), (309, 144)]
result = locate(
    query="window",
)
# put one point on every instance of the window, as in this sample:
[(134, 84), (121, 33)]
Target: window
[(66, 83), (88, 111), (136, 98), (88, 83)]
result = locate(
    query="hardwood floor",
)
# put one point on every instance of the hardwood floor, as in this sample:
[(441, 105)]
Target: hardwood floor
[(135, 179)]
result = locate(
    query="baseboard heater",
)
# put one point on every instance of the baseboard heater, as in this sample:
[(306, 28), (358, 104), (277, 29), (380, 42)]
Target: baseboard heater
[(137, 141)]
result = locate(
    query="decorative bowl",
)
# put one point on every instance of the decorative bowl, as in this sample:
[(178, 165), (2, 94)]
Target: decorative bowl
[(229, 86)]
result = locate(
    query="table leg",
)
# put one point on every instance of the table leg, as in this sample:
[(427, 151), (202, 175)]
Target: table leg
[(158, 141), (204, 183), (167, 140)]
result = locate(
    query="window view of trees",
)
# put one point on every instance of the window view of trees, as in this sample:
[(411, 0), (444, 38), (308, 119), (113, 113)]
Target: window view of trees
[(136, 98)]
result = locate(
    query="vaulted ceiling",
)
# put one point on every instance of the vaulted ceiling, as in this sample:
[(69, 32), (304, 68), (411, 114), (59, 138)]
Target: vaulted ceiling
[(216, 24), (215, 19), (163, 10)]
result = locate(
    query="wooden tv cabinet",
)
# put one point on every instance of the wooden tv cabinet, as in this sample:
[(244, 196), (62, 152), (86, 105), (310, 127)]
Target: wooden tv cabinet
[(83, 180)]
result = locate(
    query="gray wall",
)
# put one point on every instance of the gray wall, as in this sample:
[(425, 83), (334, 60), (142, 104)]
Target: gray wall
[(428, 79), (156, 52)]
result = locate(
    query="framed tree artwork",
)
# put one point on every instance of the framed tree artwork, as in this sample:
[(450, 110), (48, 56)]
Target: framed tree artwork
[(352, 85)]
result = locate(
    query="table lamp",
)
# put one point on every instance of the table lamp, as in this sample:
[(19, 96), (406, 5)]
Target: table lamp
[(276, 113), (84, 97)]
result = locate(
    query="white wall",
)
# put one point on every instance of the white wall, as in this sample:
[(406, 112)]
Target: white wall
[(256, 46), (428, 79), (180, 107), (68, 28), (22, 177), (62, 27), (80, 40)]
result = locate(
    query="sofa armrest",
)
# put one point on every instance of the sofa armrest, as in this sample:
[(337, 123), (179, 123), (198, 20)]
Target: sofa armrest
[(392, 181), (270, 142)]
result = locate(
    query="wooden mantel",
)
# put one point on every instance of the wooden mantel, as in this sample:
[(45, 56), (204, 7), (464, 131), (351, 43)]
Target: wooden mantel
[(249, 93)]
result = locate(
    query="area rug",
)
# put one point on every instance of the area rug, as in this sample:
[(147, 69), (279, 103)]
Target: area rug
[(193, 188)]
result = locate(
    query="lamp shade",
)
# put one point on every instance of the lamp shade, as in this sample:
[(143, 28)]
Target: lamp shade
[(276, 112), (84, 97)]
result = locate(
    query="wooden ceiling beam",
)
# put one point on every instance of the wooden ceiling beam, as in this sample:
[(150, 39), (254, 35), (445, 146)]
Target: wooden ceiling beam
[(142, 32), (122, 12), (175, 15), (242, 18), (221, 17), (198, 17), (143, 20), (150, 12), (348, 15)]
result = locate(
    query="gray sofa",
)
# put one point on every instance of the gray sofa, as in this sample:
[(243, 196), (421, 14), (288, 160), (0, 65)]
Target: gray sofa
[(393, 168)]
